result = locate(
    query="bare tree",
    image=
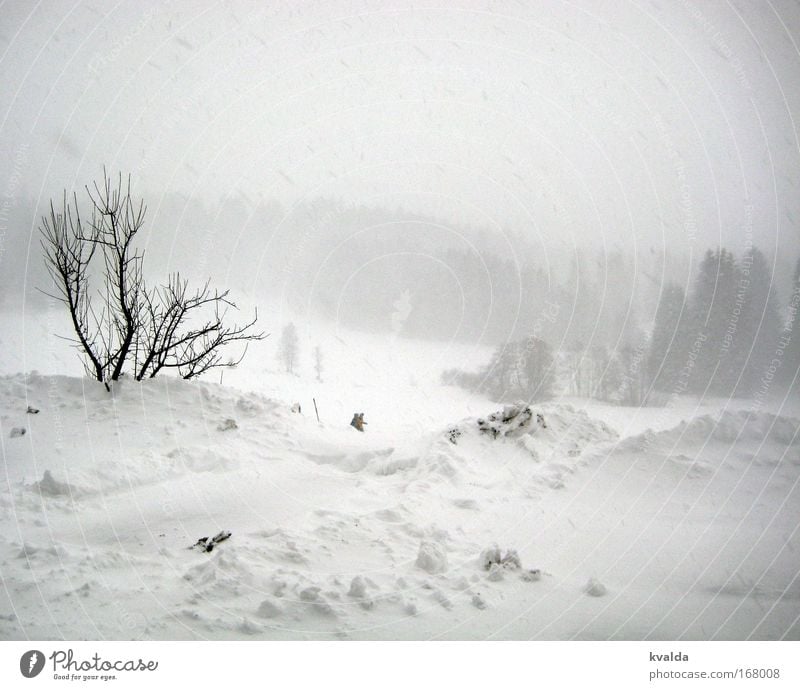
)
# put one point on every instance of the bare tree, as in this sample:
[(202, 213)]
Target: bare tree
[(116, 219), (177, 335), (167, 327), (288, 347), (67, 257)]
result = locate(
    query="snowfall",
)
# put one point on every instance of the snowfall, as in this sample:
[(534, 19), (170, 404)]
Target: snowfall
[(578, 521)]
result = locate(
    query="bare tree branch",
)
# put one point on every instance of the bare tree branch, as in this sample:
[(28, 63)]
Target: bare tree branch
[(151, 329), (67, 258), (177, 337)]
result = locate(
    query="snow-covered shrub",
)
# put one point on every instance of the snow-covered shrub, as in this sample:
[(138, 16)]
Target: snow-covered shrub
[(522, 369), (510, 421)]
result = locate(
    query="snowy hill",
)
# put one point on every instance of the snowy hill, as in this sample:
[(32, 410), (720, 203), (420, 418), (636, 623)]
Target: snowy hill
[(684, 532)]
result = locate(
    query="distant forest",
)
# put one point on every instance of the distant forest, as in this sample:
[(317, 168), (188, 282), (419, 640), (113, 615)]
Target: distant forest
[(609, 315)]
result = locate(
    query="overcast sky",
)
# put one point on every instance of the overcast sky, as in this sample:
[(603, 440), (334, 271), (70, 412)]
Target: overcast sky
[(632, 123)]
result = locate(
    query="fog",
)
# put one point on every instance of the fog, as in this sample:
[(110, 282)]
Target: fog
[(330, 155), (463, 321)]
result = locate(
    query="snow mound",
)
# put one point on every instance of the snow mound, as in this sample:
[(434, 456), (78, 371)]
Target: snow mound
[(595, 588), (554, 432), (492, 556), (268, 609), (513, 420), (739, 427), (432, 557), (346, 534)]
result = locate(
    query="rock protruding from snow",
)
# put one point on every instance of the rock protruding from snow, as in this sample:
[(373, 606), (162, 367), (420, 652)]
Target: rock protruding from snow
[(496, 572), (432, 557), (493, 557), (489, 556), (49, 486), (498, 564), (207, 545), (512, 420)]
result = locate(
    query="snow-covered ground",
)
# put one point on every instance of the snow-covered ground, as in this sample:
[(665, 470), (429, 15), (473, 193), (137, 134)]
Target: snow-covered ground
[(647, 523)]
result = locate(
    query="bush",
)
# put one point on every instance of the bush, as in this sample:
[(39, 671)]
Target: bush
[(125, 323), (520, 370)]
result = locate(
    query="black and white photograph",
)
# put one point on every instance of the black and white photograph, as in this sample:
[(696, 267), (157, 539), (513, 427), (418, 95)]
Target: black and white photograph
[(354, 321)]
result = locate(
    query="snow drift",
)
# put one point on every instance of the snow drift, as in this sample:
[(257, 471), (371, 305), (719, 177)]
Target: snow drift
[(337, 534)]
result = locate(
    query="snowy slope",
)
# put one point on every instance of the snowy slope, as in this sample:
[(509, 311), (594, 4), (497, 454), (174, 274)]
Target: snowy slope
[(686, 516), (690, 530)]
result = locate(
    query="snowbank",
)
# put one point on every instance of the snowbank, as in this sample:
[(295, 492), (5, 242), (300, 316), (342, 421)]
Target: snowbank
[(336, 534)]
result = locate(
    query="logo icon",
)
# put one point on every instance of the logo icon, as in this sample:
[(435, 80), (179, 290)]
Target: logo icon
[(31, 663)]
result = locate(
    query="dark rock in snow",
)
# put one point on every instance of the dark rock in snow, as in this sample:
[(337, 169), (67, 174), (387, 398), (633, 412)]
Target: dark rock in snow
[(207, 544), (510, 421), (228, 425)]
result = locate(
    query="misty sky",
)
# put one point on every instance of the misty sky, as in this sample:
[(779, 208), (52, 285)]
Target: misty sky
[(622, 123)]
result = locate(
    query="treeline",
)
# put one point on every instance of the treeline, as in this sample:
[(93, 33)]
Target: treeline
[(729, 336)]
